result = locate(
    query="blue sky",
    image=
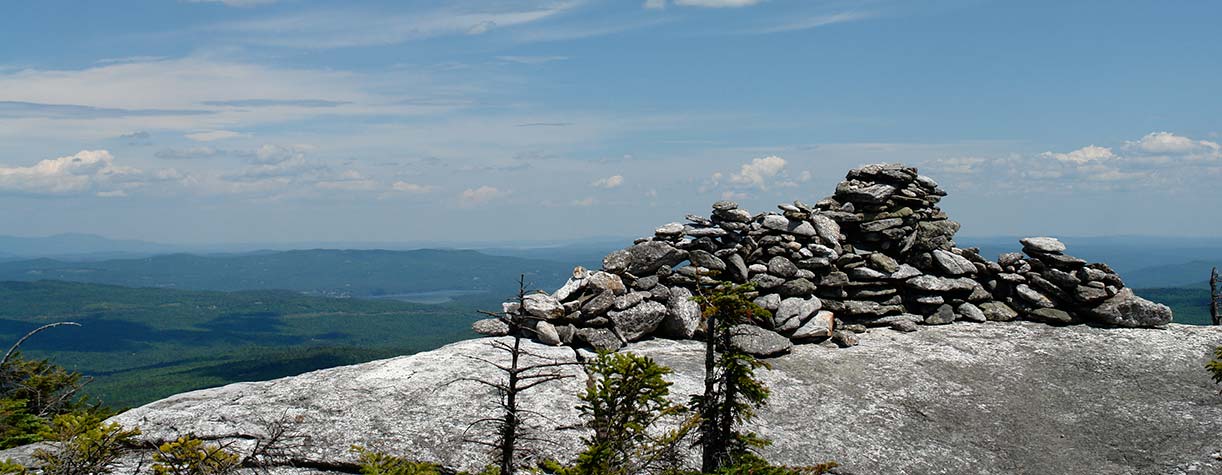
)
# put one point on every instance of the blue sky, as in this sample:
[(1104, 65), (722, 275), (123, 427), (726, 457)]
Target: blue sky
[(297, 120)]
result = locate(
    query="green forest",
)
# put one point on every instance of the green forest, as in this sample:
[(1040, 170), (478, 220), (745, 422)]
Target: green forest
[(143, 344)]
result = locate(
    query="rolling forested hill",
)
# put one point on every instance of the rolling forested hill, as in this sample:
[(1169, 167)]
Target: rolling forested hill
[(142, 344), (359, 273)]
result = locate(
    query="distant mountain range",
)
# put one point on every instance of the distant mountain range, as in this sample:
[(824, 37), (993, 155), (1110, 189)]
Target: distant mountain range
[(342, 273), (1143, 261)]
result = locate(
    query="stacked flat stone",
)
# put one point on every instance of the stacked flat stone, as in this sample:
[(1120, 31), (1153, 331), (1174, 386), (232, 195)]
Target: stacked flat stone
[(1050, 286), (879, 252)]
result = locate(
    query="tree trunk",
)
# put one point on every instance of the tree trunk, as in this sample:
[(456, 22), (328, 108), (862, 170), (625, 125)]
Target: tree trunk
[(708, 418), (1215, 299), (509, 432)]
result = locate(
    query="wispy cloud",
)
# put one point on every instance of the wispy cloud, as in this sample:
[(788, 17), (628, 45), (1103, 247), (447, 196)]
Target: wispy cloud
[(19, 109), (532, 59), (1159, 160), (544, 124), (614, 181), (414, 188), (347, 28), (192, 153), (236, 3), (277, 103), (478, 196), (214, 135), (704, 3), (813, 22)]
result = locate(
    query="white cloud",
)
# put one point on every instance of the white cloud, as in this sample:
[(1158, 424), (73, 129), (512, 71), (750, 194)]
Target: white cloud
[(1160, 160), (188, 153), (349, 28), (1087, 154), (717, 3), (236, 3), (532, 59), (348, 180), (1167, 143), (268, 153), (196, 95), (411, 187), (814, 22), (87, 170), (959, 165), (655, 4), (614, 181), (213, 135), (478, 196), (758, 172), (582, 203)]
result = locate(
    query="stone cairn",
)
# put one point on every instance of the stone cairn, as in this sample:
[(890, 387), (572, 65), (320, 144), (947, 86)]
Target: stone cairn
[(878, 253)]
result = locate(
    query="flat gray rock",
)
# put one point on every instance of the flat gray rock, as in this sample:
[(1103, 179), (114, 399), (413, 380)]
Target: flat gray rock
[(1073, 399), (1126, 309), (490, 327), (953, 264), (1043, 244), (643, 258), (639, 321), (759, 341)]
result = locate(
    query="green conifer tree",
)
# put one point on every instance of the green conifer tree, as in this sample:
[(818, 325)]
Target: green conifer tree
[(625, 397)]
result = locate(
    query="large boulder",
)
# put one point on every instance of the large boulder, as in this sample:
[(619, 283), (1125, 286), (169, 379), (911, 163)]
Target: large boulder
[(683, 314), (1126, 309), (640, 321), (644, 258), (1046, 245), (758, 341), (543, 306), (1075, 399)]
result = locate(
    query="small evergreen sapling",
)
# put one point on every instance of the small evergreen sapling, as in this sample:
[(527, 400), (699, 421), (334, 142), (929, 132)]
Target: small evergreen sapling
[(625, 397), (84, 446), (1215, 365), (191, 456), (732, 392)]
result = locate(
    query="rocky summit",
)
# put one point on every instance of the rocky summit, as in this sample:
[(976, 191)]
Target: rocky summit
[(878, 252), (963, 398)]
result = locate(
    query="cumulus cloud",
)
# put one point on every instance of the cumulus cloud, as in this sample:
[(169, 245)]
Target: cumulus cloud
[(406, 187), (478, 196), (85, 171), (268, 153), (1159, 160), (1167, 143), (583, 203), (655, 4), (212, 135), (1087, 154), (614, 181), (758, 172)]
